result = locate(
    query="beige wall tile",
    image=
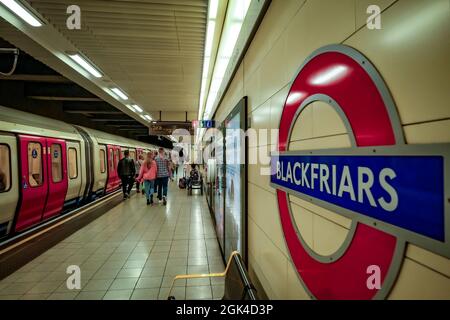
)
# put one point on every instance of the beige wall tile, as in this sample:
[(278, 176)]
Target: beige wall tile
[(411, 52), (326, 120), (295, 289), (303, 126), (328, 237), (276, 106), (304, 221), (272, 69), (269, 31), (318, 23), (361, 10), (418, 282), (327, 214), (260, 117), (270, 264), (263, 210), (339, 141), (430, 132), (252, 90), (429, 259)]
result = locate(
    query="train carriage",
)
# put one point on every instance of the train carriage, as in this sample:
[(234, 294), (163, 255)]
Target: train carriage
[(48, 167)]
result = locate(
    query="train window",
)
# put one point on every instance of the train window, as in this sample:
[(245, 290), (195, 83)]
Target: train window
[(35, 177), (56, 156), (102, 161), (73, 163), (116, 157), (111, 161), (5, 168)]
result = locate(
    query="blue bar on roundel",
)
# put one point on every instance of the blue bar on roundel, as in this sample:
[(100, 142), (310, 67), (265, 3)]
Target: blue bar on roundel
[(404, 191)]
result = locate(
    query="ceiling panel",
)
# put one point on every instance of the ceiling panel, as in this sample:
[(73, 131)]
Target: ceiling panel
[(152, 49)]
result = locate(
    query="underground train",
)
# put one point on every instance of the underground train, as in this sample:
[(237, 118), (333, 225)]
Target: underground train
[(48, 167)]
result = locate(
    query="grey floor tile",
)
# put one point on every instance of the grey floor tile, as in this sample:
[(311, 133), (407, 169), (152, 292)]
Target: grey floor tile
[(118, 295), (153, 271), (149, 283), (130, 273), (98, 285), (134, 264), (44, 287), (17, 288), (218, 291), (199, 293), (42, 296), (62, 296), (123, 284), (145, 294), (178, 292), (90, 295)]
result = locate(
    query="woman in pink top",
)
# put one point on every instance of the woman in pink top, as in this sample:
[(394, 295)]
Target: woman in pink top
[(148, 175)]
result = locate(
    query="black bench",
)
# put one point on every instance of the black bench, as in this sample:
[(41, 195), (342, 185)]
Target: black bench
[(238, 285)]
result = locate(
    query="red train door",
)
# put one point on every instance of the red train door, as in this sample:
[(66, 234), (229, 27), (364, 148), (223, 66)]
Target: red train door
[(118, 156), (57, 177), (113, 178), (34, 183), (43, 179)]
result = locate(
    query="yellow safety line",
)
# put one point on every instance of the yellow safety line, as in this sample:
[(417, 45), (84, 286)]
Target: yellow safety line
[(54, 226), (205, 275)]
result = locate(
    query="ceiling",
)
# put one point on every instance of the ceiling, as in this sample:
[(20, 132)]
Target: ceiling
[(36, 88), (151, 49)]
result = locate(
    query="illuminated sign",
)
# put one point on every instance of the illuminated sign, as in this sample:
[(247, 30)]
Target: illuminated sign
[(204, 124)]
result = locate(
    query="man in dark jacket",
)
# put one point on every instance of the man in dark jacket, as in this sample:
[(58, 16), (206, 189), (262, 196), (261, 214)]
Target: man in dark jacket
[(127, 171)]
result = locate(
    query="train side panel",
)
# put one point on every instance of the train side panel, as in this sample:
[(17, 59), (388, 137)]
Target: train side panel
[(9, 181)]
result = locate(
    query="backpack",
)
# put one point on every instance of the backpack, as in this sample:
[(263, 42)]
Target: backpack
[(182, 183)]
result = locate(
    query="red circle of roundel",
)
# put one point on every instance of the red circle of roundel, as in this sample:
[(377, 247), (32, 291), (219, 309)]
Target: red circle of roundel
[(335, 73)]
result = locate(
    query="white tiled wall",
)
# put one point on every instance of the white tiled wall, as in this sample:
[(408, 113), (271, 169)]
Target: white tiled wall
[(411, 52)]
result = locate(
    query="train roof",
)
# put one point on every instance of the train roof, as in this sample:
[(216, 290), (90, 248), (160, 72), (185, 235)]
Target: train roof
[(107, 138), (21, 122)]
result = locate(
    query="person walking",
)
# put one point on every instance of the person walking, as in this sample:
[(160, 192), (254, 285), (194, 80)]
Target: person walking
[(139, 163), (162, 176), (127, 172), (147, 175)]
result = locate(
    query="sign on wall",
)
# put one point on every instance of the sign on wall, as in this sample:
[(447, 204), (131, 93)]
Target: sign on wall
[(394, 193)]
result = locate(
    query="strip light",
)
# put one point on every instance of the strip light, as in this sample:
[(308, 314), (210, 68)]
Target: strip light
[(137, 108), (85, 65), (237, 11), (19, 10), (120, 93), (211, 27)]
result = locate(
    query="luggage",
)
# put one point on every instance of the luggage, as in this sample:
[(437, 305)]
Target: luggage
[(182, 183)]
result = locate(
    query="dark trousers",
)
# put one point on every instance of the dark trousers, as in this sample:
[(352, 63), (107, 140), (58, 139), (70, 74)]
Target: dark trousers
[(127, 184), (162, 184)]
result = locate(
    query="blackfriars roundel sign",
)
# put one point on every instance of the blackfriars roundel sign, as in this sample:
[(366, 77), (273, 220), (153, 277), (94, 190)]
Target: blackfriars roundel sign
[(345, 79)]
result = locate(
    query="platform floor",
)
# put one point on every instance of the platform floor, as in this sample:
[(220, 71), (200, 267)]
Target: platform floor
[(131, 252)]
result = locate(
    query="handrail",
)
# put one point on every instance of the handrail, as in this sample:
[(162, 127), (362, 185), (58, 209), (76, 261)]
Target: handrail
[(205, 275)]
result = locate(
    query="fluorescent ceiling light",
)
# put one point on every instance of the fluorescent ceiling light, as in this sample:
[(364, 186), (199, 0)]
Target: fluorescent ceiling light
[(212, 9), (148, 117), (85, 65), (120, 93), (137, 108), (22, 12), (236, 13)]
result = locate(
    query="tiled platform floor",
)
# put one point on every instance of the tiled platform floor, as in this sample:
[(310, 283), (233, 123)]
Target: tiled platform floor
[(131, 252)]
